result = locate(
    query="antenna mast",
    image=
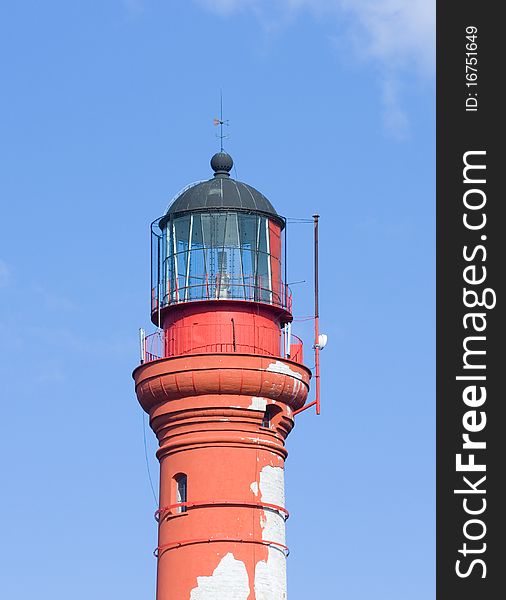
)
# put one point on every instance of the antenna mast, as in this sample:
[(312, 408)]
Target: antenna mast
[(316, 317), (221, 122)]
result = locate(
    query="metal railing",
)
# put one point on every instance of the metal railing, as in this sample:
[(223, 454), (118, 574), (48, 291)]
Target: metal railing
[(296, 350), (162, 344), (221, 287)]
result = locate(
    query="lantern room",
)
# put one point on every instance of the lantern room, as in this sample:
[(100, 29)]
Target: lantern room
[(219, 240)]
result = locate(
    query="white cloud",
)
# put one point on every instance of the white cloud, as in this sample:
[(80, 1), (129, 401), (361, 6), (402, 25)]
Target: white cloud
[(395, 30), (398, 32), (397, 36)]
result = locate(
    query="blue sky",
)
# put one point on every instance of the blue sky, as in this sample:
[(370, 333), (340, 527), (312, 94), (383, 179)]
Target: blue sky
[(106, 112)]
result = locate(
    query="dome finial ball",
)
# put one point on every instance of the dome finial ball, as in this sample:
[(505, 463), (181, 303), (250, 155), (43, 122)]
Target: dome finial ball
[(222, 163)]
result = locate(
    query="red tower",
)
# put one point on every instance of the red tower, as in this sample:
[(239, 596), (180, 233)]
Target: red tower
[(221, 380)]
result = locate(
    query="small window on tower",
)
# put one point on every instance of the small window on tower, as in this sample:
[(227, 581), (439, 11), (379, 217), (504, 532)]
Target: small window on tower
[(272, 416), (181, 491)]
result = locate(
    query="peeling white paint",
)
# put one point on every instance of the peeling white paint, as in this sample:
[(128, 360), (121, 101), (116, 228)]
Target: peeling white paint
[(270, 575), (281, 367), (254, 487), (258, 403), (229, 581)]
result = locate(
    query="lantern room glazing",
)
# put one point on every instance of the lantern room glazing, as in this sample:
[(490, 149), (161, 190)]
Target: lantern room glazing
[(217, 255)]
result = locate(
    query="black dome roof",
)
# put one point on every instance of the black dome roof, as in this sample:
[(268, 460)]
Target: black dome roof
[(222, 193)]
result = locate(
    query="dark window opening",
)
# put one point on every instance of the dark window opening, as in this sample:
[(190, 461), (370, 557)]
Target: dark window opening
[(181, 491), (271, 416)]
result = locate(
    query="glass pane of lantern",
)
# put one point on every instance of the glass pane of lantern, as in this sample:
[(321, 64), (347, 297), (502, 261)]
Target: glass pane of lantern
[(210, 259), (207, 225), (181, 231), (216, 255), (219, 221), (263, 282), (155, 265), (163, 267), (247, 236), (231, 263), (170, 266), (196, 239), (231, 230), (197, 270)]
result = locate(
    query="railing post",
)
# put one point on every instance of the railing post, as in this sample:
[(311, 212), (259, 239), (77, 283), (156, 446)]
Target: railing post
[(142, 345)]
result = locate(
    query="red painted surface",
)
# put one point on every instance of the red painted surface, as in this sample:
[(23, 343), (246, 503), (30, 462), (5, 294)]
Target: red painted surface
[(221, 403), (223, 326), (200, 408), (275, 251)]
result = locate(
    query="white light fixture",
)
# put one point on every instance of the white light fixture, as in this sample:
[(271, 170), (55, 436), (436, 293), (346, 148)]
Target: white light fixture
[(322, 341)]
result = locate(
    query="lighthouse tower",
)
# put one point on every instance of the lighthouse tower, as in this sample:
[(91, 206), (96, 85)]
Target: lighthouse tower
[(221, 380)]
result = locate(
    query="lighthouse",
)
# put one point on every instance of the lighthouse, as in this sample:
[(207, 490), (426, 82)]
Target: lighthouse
[(221, 379)]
